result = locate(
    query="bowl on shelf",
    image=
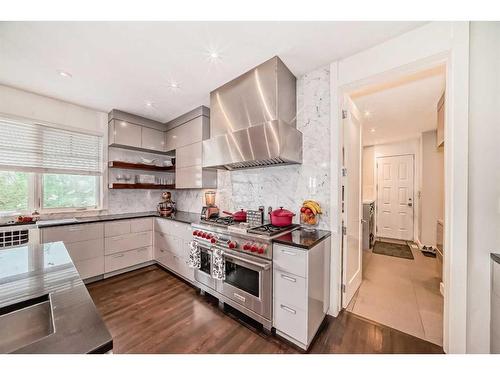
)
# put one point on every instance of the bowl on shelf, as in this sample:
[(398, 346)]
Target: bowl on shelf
[(148, 161)]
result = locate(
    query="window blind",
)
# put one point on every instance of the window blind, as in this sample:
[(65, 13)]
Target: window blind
[(39, 148)]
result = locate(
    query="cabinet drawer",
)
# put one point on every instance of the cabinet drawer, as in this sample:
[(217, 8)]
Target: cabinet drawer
[(90, 267), (180, 266), (168, 242), (178, 229), (82, 250), (152, 139), (116, 228), (164, 226), (141, 225), (290, 289), (73, 233), (127, 242), (290, 320), (126, 259), (188, 156), (174, 263), (290, 260)]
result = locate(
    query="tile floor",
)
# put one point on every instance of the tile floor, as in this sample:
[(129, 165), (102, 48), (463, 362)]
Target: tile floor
[(402, 294)]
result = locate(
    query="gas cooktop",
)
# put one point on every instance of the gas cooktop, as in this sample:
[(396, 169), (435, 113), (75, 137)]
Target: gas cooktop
[(272, 230), (267, 230)]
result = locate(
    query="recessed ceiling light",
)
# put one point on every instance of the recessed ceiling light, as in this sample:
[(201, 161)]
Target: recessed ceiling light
[(149, 104), (214, 55), (64, 74), (368, 113), (174, 85), (372, 130)]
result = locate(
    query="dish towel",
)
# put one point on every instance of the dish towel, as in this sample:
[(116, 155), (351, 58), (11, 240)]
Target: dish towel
[(194, 258), (218, 264)]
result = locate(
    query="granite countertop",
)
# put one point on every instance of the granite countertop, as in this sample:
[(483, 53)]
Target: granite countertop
[(495, 257), (182, 216), (37, 271), (302, 238)]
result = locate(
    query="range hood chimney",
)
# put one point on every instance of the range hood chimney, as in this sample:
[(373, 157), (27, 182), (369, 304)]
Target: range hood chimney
[(252, 120)]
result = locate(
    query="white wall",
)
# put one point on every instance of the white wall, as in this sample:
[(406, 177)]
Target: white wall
[(484, 178), (368, 174), (432, 188)]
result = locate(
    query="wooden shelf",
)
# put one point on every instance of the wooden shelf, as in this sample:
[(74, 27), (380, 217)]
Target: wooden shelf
[(144, 167), (139, 186)]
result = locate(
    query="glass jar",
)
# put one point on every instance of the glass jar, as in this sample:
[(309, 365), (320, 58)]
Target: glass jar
[(309, 221)]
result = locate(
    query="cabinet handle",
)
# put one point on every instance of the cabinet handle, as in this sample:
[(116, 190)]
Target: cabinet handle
[(75, 228), (288, 309), (241, 298), (288, 252), (118, 256), (292, 279)]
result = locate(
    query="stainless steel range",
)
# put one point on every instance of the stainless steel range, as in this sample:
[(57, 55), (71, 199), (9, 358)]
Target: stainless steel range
[(248, 264)]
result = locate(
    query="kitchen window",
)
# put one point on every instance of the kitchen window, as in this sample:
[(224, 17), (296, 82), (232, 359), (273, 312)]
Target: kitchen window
[(48, 169)]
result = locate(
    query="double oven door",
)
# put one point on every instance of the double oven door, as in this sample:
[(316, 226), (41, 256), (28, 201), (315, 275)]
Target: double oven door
[(248, 280)]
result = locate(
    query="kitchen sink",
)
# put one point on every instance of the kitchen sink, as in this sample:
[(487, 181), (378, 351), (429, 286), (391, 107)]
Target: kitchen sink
[(25, 322)]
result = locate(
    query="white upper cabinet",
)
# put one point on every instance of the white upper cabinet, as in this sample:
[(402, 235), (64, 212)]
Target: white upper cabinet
[(123, 133), (185, 134), (152, 139), (131, 131)]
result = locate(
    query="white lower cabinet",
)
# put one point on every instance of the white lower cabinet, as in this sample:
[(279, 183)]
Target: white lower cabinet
[(300, 291), (127, 259), (171, 246), (85, 245), (106, 248)]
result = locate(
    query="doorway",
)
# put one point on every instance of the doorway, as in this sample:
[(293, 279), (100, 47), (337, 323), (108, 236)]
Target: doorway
[(394, 203), (395, 280)]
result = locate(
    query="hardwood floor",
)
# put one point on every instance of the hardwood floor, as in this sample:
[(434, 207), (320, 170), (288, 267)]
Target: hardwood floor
[(151, 311)]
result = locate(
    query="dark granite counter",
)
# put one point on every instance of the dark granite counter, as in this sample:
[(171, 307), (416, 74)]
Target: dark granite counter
[(46, 274), (182, 216), (302, 238), (495, 257)]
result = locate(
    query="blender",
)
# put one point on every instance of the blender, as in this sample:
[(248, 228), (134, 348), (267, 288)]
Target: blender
[(210, 210)]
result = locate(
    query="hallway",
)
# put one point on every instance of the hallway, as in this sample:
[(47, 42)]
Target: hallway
[(402, 294)]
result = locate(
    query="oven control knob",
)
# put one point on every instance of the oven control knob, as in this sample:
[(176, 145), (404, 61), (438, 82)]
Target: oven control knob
[(231, 244), (213, 240), (261, 250), (246, 246), (195, 233), (203, 235), (253, 248)]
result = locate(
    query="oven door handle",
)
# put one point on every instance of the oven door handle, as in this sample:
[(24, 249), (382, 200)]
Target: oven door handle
[(260, 265)]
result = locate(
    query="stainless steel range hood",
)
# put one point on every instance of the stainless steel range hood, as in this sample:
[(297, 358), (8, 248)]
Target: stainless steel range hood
[(252, 120)]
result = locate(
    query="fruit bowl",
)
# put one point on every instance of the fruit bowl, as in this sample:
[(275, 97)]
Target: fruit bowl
[(310, 213)]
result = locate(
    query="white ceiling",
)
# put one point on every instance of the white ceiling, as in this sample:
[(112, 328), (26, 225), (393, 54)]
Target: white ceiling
[(401, 112), (124, 65)]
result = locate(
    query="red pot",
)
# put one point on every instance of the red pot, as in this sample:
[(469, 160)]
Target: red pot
[(281, 217), (238, 215)]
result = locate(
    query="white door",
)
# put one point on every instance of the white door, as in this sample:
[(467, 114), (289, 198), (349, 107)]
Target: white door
[(352, 207), (395, 197)]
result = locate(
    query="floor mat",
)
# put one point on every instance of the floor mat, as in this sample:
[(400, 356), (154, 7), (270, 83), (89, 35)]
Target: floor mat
[(393, 250)]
